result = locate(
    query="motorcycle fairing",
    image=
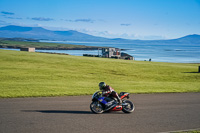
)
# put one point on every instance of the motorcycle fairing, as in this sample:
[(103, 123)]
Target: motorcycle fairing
[(102, 100), (117, 108), (123, 95)]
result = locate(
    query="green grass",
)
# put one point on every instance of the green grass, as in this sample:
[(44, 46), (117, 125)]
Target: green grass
[(190, 131), (24, 74), (39, 45)]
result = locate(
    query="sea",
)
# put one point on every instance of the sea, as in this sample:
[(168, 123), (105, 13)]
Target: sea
[(176, 53)]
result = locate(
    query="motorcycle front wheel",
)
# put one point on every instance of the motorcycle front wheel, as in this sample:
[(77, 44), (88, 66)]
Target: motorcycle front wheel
[(96, 107), (128, 106)]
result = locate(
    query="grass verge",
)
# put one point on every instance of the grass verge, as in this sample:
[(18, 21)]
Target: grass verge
[(24, 74), (41, 45), (190, 131)]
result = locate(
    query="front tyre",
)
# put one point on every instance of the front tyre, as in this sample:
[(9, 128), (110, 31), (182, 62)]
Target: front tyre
[(127, 106), (96, 107)]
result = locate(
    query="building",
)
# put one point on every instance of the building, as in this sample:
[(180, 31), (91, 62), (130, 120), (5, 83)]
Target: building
[(115, 53), (28, 49), (111, 53), (126, 56)]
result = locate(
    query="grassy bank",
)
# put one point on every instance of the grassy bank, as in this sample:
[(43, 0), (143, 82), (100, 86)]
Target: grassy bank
[(190, 131), (40, 45), (24, 74)]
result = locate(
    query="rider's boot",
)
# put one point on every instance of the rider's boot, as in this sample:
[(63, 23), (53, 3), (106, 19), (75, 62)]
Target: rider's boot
[(119, 100)]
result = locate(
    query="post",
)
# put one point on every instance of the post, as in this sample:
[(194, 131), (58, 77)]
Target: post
[(199, 69)]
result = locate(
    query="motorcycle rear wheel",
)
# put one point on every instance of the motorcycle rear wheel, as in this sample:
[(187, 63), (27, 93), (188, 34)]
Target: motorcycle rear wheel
[(128, 107), (96, 107)]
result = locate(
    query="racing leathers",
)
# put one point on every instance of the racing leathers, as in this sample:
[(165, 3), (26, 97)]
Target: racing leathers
[(110, 92)]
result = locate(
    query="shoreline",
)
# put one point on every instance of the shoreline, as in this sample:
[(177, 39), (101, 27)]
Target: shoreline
[(56, 48), (94, 49)]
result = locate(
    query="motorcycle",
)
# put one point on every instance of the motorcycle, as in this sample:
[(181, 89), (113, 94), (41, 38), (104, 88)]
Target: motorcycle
[(99, 103)]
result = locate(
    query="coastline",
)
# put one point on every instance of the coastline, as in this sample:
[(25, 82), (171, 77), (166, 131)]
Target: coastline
[(163, 53), (55, 48), (70, 51)]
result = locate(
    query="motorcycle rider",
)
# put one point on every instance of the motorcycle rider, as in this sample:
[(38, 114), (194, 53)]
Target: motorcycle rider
[(108, 91)]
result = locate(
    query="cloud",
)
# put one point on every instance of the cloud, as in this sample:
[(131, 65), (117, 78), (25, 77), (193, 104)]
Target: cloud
[(149, 37), (12, 17), (42, 19), (125, 24), (81, 20), (107, 34), (84, 20), (4, 23), (7, 13)]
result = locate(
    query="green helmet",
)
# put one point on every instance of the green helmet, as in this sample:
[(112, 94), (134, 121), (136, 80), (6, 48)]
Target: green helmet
[(102, 85)]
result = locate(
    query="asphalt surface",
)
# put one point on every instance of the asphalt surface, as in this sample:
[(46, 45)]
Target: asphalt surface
[(154, 113)]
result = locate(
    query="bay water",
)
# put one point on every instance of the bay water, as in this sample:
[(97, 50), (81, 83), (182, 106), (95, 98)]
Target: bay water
[(176, 53)]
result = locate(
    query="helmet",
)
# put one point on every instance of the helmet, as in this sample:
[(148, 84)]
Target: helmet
[(102, 85)]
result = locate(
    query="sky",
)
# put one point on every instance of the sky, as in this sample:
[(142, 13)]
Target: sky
[(129, 19)]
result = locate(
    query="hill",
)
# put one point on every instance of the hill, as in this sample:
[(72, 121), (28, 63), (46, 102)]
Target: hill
[(13, 31), (25, 74), (190, 39)]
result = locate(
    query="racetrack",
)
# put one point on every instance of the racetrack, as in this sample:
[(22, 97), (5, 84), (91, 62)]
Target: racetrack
[(153, 113)]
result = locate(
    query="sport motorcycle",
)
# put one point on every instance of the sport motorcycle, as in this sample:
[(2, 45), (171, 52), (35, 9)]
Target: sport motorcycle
[(101, 104)]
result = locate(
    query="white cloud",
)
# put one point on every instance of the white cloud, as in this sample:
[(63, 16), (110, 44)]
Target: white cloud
[(7, 13), (125, 24), (42, 19), (86, 20)]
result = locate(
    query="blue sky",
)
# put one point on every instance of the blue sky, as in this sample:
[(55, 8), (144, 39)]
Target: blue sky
[(131, 19)]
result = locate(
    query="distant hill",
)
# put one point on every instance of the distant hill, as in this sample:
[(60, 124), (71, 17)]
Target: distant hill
[(13, 31), (192, 39)]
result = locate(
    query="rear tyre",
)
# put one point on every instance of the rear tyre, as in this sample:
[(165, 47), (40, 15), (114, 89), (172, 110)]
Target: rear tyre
[(128, 106), (96, 107)]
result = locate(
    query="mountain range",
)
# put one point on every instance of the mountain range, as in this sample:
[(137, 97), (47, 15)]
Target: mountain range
[(13, 31)]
